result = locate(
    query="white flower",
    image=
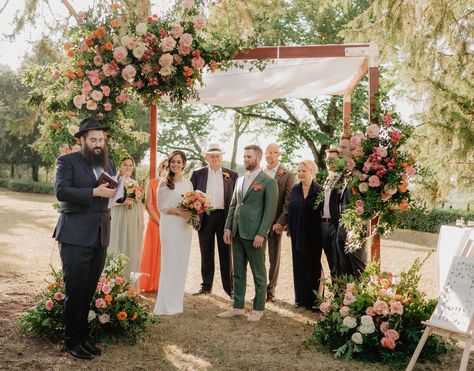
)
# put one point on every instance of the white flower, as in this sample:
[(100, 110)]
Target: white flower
[(91, 316), (141, 28), (166, 70), (139, 51), (125, 40), (366, 320), (357, 338), (350, 322), (366, 329)]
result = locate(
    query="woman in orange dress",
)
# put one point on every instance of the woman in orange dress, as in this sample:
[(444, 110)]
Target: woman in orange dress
[(151, 257)]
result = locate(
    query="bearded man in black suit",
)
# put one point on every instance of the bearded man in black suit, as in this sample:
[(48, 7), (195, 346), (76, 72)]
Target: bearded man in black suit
[(218, 183), (83, 230)]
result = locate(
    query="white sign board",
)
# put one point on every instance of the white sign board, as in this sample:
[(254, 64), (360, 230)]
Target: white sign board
[(455, 309)]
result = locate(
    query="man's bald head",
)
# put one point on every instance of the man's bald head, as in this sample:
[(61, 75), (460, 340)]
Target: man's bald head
[(272, 154)]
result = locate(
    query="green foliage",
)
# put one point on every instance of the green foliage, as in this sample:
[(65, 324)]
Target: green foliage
[(29, 186), (118, 313), (421, 219), (377, 318)]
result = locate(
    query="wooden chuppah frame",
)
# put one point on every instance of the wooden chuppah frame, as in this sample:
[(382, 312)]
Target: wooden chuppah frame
[(370, 67)]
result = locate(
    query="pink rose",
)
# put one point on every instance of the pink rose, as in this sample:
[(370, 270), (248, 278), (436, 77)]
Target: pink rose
[(131, 44), (387, 120), (98, 60), (379, 151), (356, 140), (362, 177), (351, 286), (386, 196), (147, 68), (358, 203), (325, 307), (107, 106), (86, 87), (129, 72), (119, 280), (91, 105), (358, 152), (411, 171), (59, 296), (359, 210), (198, 63), (186, 40), (102, 280), (184, 50), (396, 135), (197, 205), (69, 86), (100, 303), (396, 307), (392, 334), (96, 95), (106, 289), (390, 191), (384, 327), (120, 53), (187, 4), (363, 187), (178, 59), (111, 69), (105, 90), (387, 343), (374, 181), (381, 307), (344, 311), (373, 131), (79, 100), (167, 44), (139, 84), (367, 166), (57, 73), (349, 298), (95, 80), (166, 60), (351, 164), (49, 304), (176, 31), (199, 21), (104, 318), (370, 311)]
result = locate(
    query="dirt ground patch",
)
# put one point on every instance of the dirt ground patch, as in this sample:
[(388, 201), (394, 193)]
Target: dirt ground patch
[(194, 340)]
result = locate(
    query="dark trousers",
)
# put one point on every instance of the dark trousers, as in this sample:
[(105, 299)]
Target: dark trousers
[(306, 274), (82, 267), (212, 227), (274, 253), (328, 240)]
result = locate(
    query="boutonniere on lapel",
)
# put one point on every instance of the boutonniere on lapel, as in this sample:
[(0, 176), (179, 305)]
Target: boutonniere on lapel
[(226, 175), (281, 172), (256, 186)]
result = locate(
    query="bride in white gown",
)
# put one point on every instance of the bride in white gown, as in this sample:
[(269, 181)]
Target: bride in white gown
[(175, 235)]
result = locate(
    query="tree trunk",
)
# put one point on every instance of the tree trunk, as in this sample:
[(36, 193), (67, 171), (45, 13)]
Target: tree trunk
[(12, 170), (233, 163), (34, 172)]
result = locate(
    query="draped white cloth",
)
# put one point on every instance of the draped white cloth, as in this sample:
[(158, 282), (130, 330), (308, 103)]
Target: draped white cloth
[(282, 78)]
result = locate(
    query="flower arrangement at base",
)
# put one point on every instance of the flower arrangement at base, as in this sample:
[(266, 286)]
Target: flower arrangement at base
[(377, 318), (198, 203), (134, 191), (115, 309), (379, 174)]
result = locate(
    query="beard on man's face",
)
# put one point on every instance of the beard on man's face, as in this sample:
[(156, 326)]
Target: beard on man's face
[(96, 156)]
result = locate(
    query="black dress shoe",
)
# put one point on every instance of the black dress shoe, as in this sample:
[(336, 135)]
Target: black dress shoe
[(231, 295), (91, 348), (202, 292), (78, 351), (298, 305)]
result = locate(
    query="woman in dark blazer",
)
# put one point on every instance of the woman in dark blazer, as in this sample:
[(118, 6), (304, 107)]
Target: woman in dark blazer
[(303, 227)]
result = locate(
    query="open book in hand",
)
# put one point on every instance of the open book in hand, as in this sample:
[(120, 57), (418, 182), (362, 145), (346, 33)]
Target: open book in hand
[(106, 178)]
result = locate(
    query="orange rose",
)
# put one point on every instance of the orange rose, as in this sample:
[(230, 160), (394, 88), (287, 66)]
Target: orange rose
[(67, 46), (81, 62), (404, 206), (354, 191), (189, 82), (385, 282), (56, 126), (114, 23), (108, 45), (121, 316), (70, 75), (114, 6), (79, 73), (70, 114), (403, 187), (405, 165), (398, 297), (214, 66), (187, 71), (108, 299), (70, 53), (89, 41), (134, 317), (100, 32)]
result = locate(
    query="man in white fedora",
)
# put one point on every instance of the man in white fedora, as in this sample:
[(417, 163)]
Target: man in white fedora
[(218, 183)]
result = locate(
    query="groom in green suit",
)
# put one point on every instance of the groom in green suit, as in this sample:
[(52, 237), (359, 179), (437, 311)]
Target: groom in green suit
[(250, 217)]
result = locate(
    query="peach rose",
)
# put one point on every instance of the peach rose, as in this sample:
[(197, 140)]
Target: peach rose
[(325, 307), (396, 307), (356, 140), (96, 95), (79, 100), (86, 87), (120, 54), (166, 71), (187, 4), (381, 307), (349, 298), (363, 187), (384, 327), (176, 31), (380, 151), (100, 303), (184, 50), (104, 318), (147, 68), (91, 105), (359, 210), (106, 289), (387, 343), (139, 51), (129, 72), (199, 21), (344, 311), (373, 131), (370, 311), (166, 60), (358, 152), (351, 164), (59, 296), (167, 44), (198, 63), (178, 59), (374, 181), (186, 40), (98, 61), (105, 90), (107, 106), (392, 334), (351, 286), (49, 304)]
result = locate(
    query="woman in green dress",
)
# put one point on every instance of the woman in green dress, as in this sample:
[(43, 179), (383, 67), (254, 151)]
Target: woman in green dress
[(126, 233)]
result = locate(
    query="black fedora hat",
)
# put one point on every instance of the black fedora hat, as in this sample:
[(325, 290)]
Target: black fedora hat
[(89, 123)]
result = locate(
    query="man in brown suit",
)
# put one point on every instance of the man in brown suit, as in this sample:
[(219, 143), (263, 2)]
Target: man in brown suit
[(285, 181)]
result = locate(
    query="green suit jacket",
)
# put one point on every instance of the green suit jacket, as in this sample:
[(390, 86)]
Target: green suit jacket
[(253, 213)]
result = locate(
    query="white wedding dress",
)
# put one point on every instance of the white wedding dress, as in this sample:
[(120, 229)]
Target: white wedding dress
[(175, 235)]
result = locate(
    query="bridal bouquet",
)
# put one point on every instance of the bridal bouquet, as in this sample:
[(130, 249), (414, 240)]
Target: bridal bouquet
[(134, 191), (198, 203)]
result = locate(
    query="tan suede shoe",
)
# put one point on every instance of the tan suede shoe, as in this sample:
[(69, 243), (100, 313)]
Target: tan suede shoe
[(232, 312), (255, 316)]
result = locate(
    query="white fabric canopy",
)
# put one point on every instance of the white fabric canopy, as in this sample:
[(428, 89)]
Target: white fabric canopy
[(282, 78)]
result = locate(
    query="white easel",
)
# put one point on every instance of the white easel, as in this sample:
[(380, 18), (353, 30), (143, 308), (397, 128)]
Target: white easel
[(443, 327)]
